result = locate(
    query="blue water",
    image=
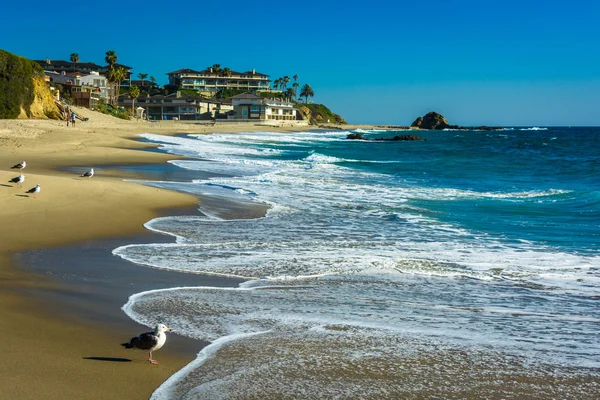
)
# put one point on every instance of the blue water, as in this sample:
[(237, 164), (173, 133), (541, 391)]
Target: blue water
[(481, 242)]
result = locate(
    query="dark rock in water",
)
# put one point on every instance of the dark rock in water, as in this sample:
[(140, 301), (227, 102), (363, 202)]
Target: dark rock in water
[(360, 136), (431, 120), (436, 121), (356, 136), (406, 137)]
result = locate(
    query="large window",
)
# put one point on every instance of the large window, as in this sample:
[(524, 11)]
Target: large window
[(244, 112)]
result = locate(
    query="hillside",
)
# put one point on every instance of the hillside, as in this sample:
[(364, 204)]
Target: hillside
[(319, 113), (23, 91)]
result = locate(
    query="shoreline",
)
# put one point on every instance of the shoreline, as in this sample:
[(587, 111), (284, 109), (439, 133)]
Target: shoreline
[(49, 345)]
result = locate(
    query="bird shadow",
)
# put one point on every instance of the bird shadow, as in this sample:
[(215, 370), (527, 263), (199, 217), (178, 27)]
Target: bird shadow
[(5, 185), (111, 359), (21, 195)]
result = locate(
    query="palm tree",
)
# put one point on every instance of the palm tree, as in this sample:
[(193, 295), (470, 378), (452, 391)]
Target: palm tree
[(134, 92), (290, 93), (307, 91), (286, 79), (295, 87), (115, 76), (226, 72), (142, 76), (216, 68), (74, 57), (295, 77), (153, 80), (111, 58)]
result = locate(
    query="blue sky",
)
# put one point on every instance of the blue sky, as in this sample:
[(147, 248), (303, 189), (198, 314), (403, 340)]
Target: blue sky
[(382, 62)]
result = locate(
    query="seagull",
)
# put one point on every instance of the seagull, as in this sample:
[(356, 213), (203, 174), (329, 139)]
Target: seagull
[(35, 190), (88, 174), (150, 341), (20, 165), (18, 180)]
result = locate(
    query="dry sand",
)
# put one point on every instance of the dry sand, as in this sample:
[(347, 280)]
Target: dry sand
[(43, 350)]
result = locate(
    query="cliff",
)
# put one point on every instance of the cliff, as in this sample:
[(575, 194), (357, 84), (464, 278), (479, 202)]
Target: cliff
[(23, 90)]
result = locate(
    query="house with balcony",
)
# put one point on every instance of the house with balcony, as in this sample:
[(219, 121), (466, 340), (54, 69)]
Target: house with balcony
[(249, 107), (209, 81), (86, 90), (86, 68), (175, 107)]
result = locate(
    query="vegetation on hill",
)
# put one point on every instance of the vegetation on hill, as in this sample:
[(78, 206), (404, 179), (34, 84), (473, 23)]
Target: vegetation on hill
[(109, 109), (23, 93), (319, 113)]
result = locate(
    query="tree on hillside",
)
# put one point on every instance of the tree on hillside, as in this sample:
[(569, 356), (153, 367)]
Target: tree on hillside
[(74, 57), (142, 77), (295, 87), (134, 92), (153, 80), (226, 72), (306, 92), (286, 79)]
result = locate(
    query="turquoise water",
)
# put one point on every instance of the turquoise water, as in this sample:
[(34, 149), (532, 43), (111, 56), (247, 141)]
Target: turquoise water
[(484, 243)]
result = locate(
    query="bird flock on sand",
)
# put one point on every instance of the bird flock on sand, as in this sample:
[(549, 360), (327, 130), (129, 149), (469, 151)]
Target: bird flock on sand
[(18, 180), (149, 341)]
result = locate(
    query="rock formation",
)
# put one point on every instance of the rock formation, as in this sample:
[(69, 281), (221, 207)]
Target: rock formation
[(436, 121), (431, 120)]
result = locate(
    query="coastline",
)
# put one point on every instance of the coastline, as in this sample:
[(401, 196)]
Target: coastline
[(49, 345)]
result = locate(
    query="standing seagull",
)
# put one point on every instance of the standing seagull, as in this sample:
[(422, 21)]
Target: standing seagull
[(34, 190), (150, 341), (20, 165), (88, 174), (18, 180)]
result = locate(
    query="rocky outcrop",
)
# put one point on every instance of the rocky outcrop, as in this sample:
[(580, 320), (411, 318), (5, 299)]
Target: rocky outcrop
[(360, 136), (431, 120), (305, 112), (436, 121), (23, 90)]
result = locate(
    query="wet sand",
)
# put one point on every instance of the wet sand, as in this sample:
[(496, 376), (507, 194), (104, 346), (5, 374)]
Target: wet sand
[(61, 330)]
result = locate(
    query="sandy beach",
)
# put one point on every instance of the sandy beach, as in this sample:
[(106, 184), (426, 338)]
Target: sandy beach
[(67, 356)]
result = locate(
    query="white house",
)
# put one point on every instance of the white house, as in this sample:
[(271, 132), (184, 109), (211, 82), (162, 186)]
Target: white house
[(248, 106), (97, 81)]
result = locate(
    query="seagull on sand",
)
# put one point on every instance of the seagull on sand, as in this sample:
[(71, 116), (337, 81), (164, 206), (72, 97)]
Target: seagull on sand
[(150, 341), (88, 174), (20, 165), (18, 180), (35, 190)]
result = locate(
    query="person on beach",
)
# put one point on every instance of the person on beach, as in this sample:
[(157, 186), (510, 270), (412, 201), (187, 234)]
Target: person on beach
[(73, 119), (67, 117)]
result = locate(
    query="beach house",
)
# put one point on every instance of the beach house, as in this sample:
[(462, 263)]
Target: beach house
[(248, 107), (209, 81), (175, 107), (86, 89)]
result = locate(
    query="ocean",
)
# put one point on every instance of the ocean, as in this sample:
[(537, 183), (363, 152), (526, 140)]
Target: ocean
[(464, 265)]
